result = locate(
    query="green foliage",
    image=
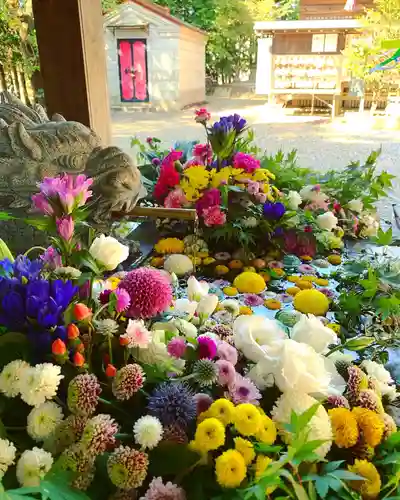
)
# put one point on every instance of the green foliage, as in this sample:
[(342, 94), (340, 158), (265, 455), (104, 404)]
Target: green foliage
[(288, 175)]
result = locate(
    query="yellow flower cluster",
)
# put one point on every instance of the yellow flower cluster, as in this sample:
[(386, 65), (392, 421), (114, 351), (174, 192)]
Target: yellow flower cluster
[(197, 178), (371, 487), (248, 421), (169, 245)]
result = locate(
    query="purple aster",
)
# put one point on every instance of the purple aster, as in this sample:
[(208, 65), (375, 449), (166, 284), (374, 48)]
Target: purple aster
[(252, 300), (242, 390), (274, 211), (207, 347), (173, 403)]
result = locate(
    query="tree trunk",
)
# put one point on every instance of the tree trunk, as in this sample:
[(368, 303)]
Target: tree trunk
[(21, 87), (3, 82), (25, 92), (14, 78)]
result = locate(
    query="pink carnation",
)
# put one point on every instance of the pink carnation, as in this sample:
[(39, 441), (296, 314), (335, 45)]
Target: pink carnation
[(246, 162), (202, 153), (176, 347), (207, 347), (211, 198), (213, 216), (227, 352), (175, 199), (149, 290), (226, 372)]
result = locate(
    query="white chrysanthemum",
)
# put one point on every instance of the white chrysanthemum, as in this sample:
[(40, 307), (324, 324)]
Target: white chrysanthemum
[(179, 264), (68, 272), (10, 377), (40, 383), (319, 426), (33, 466), (382, 377), (107, 327), (7, 455), (43, 420), (148, 431)]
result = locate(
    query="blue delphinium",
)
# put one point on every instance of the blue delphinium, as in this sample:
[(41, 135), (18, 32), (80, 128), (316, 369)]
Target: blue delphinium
[(274, 211), (173, 403)]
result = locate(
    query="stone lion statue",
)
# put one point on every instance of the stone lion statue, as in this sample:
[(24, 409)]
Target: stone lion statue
[(32, 147)]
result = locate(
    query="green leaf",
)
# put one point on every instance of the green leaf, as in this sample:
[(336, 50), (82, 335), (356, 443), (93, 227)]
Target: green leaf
[(322, 487), (359, 343), (393, 458), (346, 475), (331, 466), (13, 345), (6, 216), (171, 459), (306, 417), (384, 238)]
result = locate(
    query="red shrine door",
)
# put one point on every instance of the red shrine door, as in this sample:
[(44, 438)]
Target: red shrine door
[(133, 78)]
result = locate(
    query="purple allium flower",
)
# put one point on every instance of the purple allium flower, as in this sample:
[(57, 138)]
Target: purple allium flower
[(83, 394), (274, 211), (246, 162), (173, 403), (227, 352), (252, 300), (176, 347), (203, 402), (242, 390), (159, 491), (207, 347), (226, 372)]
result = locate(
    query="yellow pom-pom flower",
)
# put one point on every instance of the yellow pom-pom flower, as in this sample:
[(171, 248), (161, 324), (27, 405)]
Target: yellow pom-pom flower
[(245, 448), (371, 487), (208, 260), (304, 284), (210, 434), (230, 291), (370, 424), (249, 269), (220, 270), (169, 245), (334, 259), (292, 290), (306, 258), (261, 464), (267, 432), (293, 279), (197, 176), (230, 469), (344, 427), (245, 311), (335, 327), (249, 282), (322, 282), (247, 419), (223, 410), (311, 302), (273, 304)]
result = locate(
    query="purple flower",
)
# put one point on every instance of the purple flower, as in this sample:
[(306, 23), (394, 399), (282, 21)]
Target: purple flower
[(242, 390), (231, 122), (226, 372), (41, 204), (203, 402), (26, 269), (123, 300), (210, 198), (156, 162), (176, 347), (51, 258), (65, 227), (207, 347), (227, 352), (253, 300), (246, 162), (6, 267), (274, 211), (173, 403)]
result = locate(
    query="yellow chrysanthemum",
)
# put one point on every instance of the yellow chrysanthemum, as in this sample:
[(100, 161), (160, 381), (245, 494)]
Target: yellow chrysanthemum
[(371, 487), (198, 176), (292, 290), (157, 261), (262, 174), (334, 259), (169, 245), (245, 310), (230, 469), (311, 302), (370, 424), (311, 279), (322, 282), (241, 176), (247, 419), (191, 193), (210, 434), (221, 177), (272, 304), (293, 279), (231, 291), (304, 284), (223, 410), (245, 448), (344, 427), (261, 464), (267, 432), (249, 283), (220, 270)]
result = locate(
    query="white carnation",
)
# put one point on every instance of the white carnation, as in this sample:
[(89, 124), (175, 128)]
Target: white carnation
[(319, 427), (179, 264), (7, 455), (310, 330), (327, 221), (148, 431), (10, 377), (33, 466), (40, 383), (293, 200), (43, 420)]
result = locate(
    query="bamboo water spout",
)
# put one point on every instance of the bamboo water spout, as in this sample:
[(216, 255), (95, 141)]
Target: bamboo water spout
[(159, 213)]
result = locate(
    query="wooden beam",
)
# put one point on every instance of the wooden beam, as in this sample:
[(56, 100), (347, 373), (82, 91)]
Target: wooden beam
[(73, 61)]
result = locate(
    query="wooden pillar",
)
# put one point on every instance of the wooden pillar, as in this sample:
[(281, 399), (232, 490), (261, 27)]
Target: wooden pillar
[(264, 65), (73, 61)]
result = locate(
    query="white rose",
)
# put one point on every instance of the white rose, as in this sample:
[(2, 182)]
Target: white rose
[(313, 194), (185, 306), (355, 205), (293, 200), (310, 330), (254, 334), (327, 221), (196, 289), (207, 305), (108, 251)]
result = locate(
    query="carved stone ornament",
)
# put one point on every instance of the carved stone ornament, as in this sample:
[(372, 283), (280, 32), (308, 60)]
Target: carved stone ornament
[(33, 147)]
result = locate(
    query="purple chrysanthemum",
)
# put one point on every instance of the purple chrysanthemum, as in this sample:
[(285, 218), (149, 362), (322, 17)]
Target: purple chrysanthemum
[(83, 394), (243, 391), (173, 403)]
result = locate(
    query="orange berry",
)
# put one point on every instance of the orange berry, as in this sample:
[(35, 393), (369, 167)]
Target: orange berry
[(111, 371), (72, 331), (58, 348), (78, 359), (82, 312)]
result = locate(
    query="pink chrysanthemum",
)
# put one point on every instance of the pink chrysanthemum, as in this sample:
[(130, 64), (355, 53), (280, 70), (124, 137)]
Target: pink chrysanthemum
[(203, 402), (99, 434), (83, 394), (227, 352), (246, 162), (207, 347), (149, 290), (127, 468), (226, 372), (123, 300), (253, 300), (176, 347), (243, 391), (159, 491), (338, 402), (128, 381)]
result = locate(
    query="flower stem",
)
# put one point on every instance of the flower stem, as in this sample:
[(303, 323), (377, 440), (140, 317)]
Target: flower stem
[(32, 249), (110, 349)]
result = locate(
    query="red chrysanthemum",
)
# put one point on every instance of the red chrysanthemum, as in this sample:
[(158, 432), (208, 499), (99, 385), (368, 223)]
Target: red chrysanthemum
[(149, 290)]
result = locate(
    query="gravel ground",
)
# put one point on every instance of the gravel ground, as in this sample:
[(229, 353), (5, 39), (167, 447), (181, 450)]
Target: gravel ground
[(320, 144)]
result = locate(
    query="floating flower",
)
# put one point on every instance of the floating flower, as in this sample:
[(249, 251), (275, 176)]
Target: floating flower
[(127, 468), (179, 264), (311, 302), (344, 427), (248, 282), (149, 291), (99, 434), (273, 304), (230, 469), (247, 419), (232, 306), (334, 259), (43, 420), (242, 390), (128, 380), (157, 490), (83, 394), (7, 455), (210, 435), (371, 487), (169, 245), (32, 466), (148, 431), (252, 300), (173, 403)]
